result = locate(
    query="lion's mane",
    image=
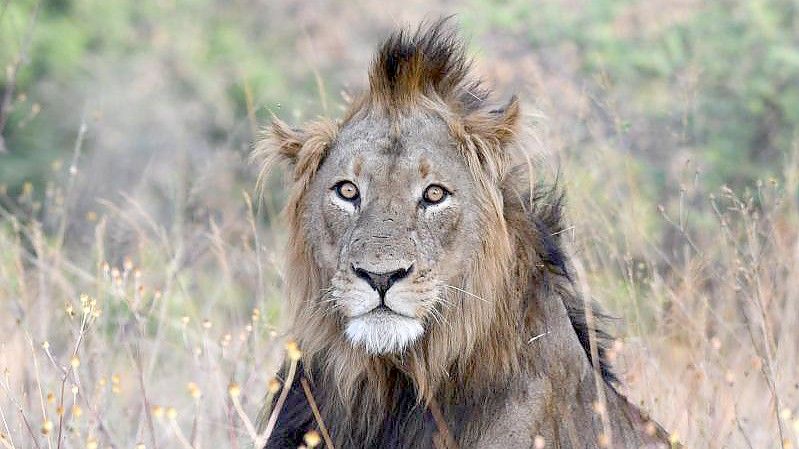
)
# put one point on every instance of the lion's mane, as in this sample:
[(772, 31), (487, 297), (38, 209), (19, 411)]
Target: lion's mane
[(471, 359)]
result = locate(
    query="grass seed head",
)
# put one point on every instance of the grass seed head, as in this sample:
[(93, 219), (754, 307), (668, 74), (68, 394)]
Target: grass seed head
[(194, 390), (274, 385), (293, 350), (312, 438), (234, 390)]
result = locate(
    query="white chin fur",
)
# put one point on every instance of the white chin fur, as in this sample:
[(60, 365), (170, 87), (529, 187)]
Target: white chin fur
[(383, 332)]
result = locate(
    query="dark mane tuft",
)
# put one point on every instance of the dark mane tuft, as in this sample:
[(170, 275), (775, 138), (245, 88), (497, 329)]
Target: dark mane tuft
[(431, 61), (547, 214)]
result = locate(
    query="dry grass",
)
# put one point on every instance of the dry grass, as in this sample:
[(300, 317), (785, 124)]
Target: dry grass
[(710, 322), (161, 341), (174, 344), (126, 327)]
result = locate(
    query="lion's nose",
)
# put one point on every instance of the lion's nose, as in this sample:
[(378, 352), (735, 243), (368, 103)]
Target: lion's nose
[(381, 282)]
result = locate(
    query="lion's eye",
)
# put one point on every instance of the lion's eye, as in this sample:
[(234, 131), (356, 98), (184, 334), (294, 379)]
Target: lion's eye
[(434, 194), (347, 191)]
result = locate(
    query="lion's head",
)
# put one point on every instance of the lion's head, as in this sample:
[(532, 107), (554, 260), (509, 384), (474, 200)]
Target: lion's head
[(401, 254), (397, 216)]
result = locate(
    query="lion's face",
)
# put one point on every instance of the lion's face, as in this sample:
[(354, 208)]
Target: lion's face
[(394, 219)]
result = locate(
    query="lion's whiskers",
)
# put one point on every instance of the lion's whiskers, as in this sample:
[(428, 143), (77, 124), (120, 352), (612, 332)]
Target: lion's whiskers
[(466, 292), (439, 318), (437, 314), (329, 303)]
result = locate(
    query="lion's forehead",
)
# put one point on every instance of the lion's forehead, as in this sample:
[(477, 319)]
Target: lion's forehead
[(411, 148)]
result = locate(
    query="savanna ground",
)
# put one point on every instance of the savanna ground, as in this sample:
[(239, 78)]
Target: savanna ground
[(140, 280)]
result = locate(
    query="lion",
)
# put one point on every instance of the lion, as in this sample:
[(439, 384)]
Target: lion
[(427, 282)]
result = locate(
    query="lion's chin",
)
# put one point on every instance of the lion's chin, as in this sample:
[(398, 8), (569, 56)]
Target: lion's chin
[(382, 332)]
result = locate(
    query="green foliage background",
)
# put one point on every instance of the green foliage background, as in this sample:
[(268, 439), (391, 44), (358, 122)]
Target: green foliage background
[(736, 64)]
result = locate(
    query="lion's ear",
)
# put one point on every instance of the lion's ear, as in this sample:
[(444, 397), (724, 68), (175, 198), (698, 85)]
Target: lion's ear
[(286, 142), (491, 132), (506, 121), (279, 144), (496, 125), (303, 149)]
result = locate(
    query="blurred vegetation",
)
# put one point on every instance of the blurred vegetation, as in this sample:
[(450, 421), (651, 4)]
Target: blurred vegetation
[(718, 78), (722, 76), (212, 52), (126, 129)]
